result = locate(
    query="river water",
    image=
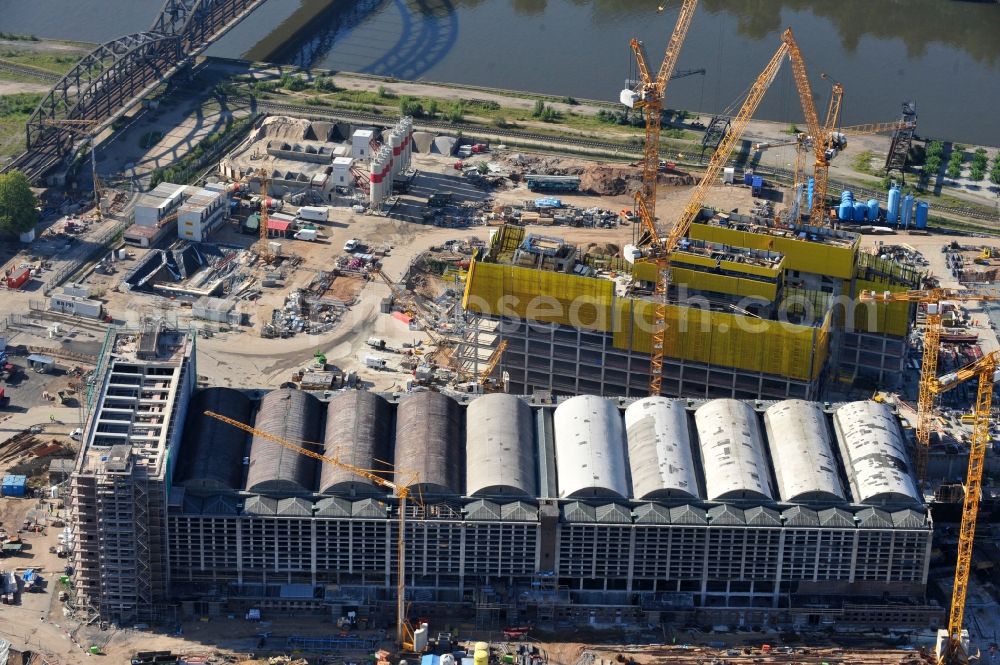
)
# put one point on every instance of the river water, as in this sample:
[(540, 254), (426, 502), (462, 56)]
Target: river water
[(944, 54)]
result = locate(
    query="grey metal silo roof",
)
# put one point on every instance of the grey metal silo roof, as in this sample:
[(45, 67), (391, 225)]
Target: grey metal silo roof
[(732, 451), (428, 442), (874, 452), (500, 447), (295, 416), (802, 450), (211, 456), (358, 432), (659, 449), (590, 448)]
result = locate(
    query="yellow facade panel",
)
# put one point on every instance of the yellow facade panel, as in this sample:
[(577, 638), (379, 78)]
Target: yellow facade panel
[(892, 318), (681, 258), (735, 286), (537, 295)]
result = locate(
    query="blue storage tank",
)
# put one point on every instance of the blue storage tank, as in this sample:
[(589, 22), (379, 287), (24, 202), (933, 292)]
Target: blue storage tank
[(920, 220), (892, 211), (906, 214), (14, 486), (747, 177), (845, 212), (847, 195), (860, 211), (810, 190), (872, 210)]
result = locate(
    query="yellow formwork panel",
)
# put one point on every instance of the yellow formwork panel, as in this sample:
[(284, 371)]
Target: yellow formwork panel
[(539, 295), (722, 339), (702, 281), (892, 318), (801, 255), (735, 286), (822, 345), (731, 266)]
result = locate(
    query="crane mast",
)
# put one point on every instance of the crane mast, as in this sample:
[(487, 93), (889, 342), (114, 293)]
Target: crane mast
[(401, 489), (931, 298), (660, 253), (650, 98), (952, 651)]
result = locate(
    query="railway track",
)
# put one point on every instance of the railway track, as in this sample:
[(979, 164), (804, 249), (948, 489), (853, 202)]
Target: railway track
[(312, 112), (25, 70)]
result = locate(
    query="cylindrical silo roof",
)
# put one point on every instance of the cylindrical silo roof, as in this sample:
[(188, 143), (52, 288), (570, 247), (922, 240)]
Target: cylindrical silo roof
[(211, 456), (802, 450), (590, 448), (659, 449), (732, 451), (294, 416), (500, 447), (358, 432), (874, 452), (428, 431)]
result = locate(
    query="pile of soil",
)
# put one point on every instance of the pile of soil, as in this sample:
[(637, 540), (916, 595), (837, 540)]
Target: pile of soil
[(604, 180)]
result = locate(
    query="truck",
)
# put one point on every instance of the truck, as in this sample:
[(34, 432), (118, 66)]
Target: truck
[(306, 234), (314, 213), (375, 342), (374, 362), (351, 245)]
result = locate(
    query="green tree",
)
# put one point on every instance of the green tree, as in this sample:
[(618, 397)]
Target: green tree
[(410, 106), (457, 113), (976, 173), (954, 170), (539, 108), (432, 108), (995, 171), (17, 204), (482, 168)]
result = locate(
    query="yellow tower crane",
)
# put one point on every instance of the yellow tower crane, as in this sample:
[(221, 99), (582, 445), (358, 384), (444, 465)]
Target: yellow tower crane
[(648, 96), (932, 299), (491, 364), (400, 488), (660, 250), (951, 650)]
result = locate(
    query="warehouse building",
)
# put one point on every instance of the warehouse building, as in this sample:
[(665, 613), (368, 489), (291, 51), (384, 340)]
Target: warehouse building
[(756, 312), (529, 509)]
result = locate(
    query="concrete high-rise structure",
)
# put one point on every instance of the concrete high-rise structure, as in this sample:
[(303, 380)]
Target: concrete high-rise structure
[(756, 311)]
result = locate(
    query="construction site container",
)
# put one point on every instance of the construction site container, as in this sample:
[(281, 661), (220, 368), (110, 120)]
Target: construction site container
[(213, 459), (294, 416), (358, 432), (428, 443), (733, 451), (659, 449), (314, 213), (76, 306), (14, 485), (590, 448), (18, 277), (802, 449), (374, 362), (920, 218), (500, 447), (874, 453)]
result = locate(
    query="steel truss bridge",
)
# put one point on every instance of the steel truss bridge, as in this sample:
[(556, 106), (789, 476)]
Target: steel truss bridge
[(117, 74)]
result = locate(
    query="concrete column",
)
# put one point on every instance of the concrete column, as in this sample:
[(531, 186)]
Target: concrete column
[(239, 551)]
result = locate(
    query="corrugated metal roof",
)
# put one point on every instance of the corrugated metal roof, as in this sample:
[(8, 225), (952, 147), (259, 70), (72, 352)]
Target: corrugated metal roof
[(909, 519), (483, 510), (296, 507), (800, 442), (500, 447), (761, 516), (835, 517), (726, 515), (613, 513), (687, 515), (260, 505), (799, 516), (873, 518), (732, 451), (579, 512), (518, 511), (651, 513), (333, 506), (369, 508)]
